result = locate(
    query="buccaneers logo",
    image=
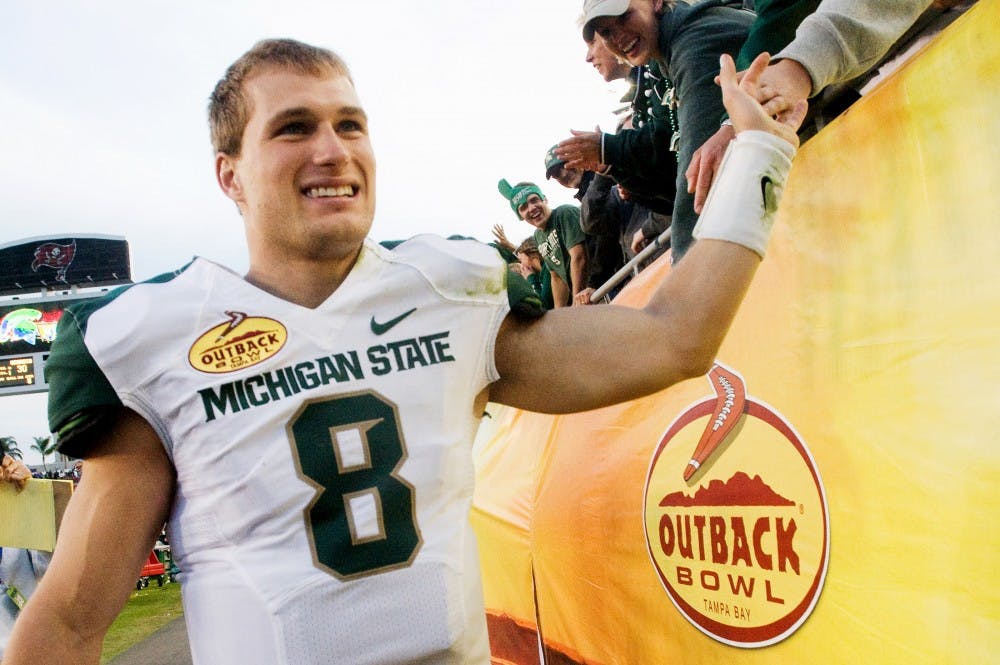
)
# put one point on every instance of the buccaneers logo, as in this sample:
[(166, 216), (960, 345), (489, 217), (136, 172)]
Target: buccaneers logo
[(56, 256)]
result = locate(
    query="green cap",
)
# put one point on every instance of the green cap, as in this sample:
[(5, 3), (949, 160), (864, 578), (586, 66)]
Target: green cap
[(552, 162), (518, 194)]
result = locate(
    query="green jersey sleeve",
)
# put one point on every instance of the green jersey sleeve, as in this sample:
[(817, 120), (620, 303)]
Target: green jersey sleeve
[(80, 395)]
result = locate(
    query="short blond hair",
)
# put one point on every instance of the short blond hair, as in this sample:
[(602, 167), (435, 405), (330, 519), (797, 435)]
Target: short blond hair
[(229, 108)]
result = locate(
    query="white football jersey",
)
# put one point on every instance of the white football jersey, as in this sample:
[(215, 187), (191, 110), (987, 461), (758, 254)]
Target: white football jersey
[(323, 456)]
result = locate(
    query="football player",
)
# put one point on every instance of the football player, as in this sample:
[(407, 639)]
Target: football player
[(306, 428)]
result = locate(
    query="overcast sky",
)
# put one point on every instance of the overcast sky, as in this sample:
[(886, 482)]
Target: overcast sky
[(104, 131)]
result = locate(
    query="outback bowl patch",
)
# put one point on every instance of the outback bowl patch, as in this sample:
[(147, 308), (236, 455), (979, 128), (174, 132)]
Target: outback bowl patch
[(242, 341), (736, 518)]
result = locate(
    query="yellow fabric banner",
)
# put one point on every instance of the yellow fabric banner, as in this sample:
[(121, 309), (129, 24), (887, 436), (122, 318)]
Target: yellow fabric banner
[(842, 502), (30, 519)]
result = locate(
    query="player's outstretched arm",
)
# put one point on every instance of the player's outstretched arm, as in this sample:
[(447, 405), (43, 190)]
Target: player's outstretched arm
[(108, 530), (584, 358)]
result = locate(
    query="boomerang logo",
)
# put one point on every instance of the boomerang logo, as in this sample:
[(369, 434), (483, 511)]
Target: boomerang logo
[(240, 342), (235, 319), (736, 518)]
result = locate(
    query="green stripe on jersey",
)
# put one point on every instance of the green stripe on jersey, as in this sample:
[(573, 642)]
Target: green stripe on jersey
[(79, 393)]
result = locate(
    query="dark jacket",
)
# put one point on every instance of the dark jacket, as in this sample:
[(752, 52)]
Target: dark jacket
[(774, 27), (604, 256), (691, 39), (605, 212), (640, 158)]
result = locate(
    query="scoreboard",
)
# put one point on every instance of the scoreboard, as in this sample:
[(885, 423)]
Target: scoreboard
[(27, 330), (17, 371), (39, 278)]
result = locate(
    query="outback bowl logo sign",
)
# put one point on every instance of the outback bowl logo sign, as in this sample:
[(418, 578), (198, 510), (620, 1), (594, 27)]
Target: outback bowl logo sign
[(736, 518), (240, 342)]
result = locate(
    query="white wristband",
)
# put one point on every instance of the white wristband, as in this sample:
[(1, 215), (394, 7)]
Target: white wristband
[(745, 195)]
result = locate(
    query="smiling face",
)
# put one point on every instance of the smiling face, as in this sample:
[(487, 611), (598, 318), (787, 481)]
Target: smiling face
[(304, 179), (632, 36), (605, 62), (535, 211)]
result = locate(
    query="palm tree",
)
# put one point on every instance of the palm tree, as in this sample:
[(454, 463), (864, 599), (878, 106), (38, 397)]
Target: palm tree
[(44, 446), (8, 446)]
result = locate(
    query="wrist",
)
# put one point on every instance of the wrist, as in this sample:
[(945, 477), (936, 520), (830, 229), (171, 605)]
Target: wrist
[(744, 199)]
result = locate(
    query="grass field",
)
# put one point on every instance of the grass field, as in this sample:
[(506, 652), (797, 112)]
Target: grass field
[(145, 612)]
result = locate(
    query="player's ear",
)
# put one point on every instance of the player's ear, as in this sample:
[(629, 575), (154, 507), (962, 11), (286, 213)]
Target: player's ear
[(226, 176)]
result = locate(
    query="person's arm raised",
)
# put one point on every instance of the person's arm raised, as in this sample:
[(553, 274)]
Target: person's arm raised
[(587, 357), (107, 533)]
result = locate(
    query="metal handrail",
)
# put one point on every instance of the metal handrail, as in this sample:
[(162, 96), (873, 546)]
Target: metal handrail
[(632, 266)]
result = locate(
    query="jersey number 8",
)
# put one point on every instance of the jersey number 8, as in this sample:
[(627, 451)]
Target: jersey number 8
[(363, 519)]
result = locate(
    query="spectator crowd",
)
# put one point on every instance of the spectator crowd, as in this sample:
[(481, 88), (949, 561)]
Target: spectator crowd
[(645, 184)]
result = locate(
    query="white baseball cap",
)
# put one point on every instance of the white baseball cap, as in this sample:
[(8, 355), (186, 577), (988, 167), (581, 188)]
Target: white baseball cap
[(596, 8)]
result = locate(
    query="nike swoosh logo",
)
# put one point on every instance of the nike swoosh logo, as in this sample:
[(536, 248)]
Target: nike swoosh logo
[(383, 328), (767, 193)]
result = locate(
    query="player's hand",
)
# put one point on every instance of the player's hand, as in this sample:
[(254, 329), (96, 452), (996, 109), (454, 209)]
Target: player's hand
[(582, 151), (11, 470), (501, 237), (705, 163), (740, 99)]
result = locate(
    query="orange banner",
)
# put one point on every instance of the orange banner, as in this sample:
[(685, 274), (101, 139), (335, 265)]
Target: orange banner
[(842, 500)]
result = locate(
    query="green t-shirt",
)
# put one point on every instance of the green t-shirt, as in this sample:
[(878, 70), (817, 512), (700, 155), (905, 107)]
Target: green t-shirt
[(560, 234)]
